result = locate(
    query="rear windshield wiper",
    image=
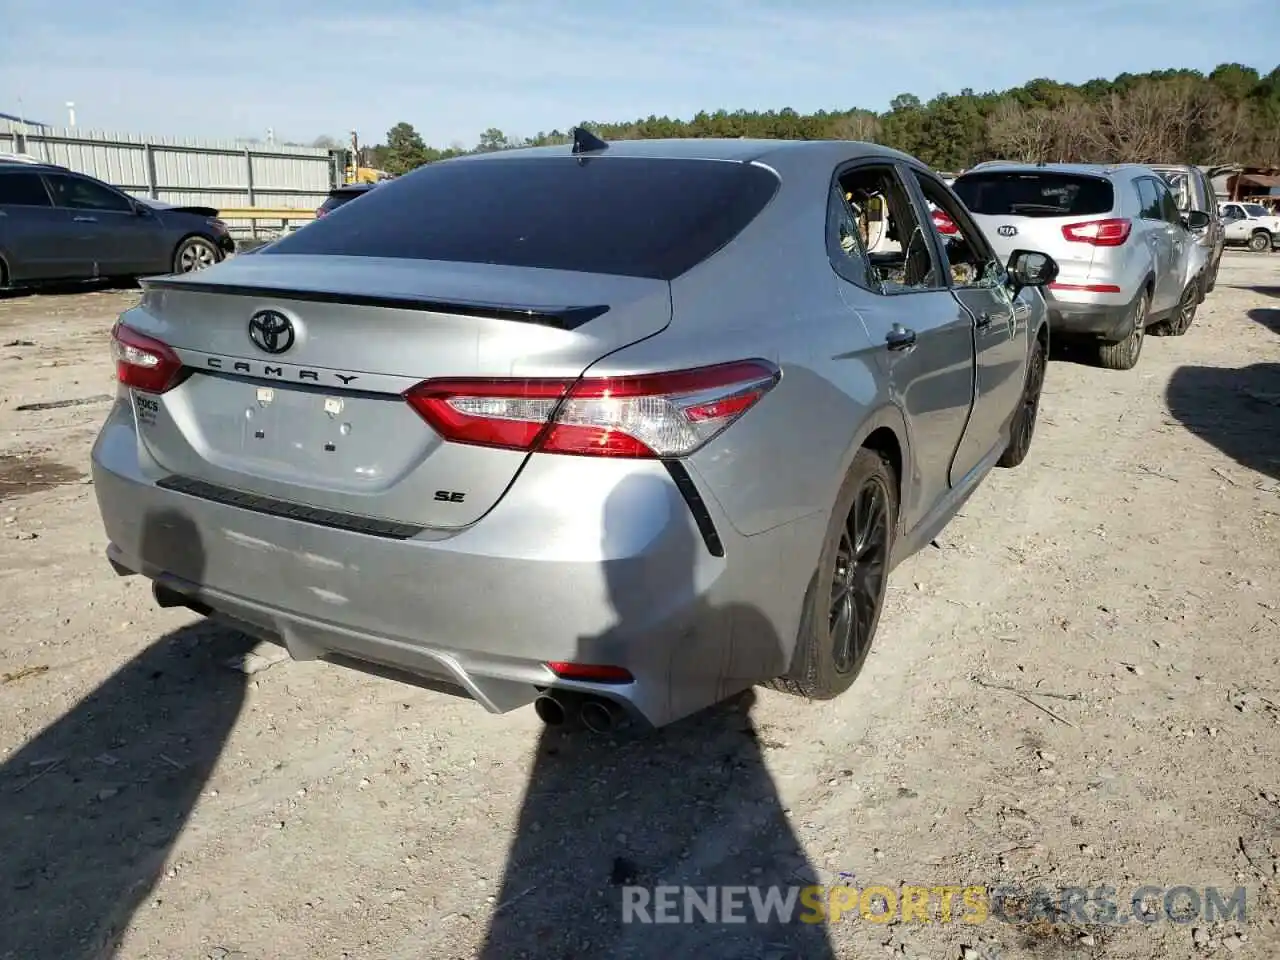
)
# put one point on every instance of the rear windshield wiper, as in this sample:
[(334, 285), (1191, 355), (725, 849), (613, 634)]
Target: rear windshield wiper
[(1035, 207)]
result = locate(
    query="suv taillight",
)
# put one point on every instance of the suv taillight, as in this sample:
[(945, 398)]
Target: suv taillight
[(650, 416), (944, 224), (142, 362), (1100, 233)]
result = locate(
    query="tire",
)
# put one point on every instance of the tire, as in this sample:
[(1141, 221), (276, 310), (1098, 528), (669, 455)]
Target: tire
[(1260, 242), (1124, 354), (195, 253), (1183, 316), (1023, 427), (817, 671)]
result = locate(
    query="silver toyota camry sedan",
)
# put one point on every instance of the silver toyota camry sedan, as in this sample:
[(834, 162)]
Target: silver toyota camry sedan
[(620, 429)]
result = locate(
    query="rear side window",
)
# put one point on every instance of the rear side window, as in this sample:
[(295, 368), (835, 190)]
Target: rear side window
[(1034, 194), (23, 190), (625, 216)]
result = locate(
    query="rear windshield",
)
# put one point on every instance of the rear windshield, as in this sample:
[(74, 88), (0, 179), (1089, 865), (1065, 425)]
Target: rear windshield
[(1033, 194), (625, 216)]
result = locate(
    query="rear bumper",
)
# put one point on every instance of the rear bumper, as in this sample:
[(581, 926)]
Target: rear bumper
[(586, 561), (1104, 321)]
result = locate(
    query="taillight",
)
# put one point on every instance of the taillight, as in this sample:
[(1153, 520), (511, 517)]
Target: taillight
[(590, 672), (648, 416), (1100, 233), (143, 362), (945, 225), (320, 212)]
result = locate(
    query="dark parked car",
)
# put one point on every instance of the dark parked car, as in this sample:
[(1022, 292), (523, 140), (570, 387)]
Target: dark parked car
[(343, 194), (58, 225)]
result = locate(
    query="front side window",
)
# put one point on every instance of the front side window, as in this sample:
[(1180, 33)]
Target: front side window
[(884, 233), (81, 194), (1169, 211)]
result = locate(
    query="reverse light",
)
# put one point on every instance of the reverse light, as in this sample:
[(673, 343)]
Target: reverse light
[(142, 362), (649, 416), (1100, 233)]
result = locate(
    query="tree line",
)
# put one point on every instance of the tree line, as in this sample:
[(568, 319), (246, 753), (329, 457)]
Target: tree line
[(1230, 115)]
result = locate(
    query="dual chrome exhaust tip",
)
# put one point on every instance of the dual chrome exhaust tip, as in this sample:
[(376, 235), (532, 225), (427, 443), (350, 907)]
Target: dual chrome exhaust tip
[(598, 714)]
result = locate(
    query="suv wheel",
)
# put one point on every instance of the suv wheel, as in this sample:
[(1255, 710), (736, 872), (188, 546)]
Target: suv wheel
[(1183, 316), (1260, 242), (1124, 355)]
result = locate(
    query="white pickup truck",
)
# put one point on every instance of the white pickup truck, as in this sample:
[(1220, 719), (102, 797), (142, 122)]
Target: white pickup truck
[(1252, 224)]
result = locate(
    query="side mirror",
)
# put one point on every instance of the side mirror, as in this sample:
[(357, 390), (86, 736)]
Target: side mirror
[(1031, 268), (1196, 220), (141, 209)]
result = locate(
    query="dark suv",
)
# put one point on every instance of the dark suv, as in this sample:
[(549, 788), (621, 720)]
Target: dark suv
[(58, 225), (343, 194)]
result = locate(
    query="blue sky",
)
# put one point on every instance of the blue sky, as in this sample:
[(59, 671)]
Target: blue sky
[(309, 67)]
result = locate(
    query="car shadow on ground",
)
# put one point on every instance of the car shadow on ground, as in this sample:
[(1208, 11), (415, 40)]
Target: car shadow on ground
[(1269, 317), (91, 806), (606, 819), (1237, 411), (68, 289), (1081, 352)]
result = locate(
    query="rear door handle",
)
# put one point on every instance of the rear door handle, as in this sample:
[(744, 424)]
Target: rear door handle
[(900, 338), (85, 219)]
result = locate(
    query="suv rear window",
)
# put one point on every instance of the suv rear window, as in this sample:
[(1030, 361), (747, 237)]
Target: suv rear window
[(1034, 194), (625, 216)]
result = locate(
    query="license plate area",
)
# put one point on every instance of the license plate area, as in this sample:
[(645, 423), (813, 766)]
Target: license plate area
[(316, 432)]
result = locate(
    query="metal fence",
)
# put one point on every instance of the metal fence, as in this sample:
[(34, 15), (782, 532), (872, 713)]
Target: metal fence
[(208, 173)]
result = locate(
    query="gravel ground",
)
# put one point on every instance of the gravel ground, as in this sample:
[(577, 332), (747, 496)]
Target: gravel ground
[(1079, 686)]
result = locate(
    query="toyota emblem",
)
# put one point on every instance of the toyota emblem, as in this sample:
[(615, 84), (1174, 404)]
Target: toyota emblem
[(271, 331), (1007, 231)]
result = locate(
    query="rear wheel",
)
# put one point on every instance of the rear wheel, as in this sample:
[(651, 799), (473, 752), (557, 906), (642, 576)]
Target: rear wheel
[(194, 253), (843, 605), (1023, 427), (1124, 354), (1260, 242), (1183, 316)]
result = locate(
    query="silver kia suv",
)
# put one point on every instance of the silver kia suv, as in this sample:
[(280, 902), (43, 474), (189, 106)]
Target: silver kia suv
[(1128, 256)]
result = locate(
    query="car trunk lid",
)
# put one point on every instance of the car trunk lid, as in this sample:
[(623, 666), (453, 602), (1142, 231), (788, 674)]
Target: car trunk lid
[(322, 422)]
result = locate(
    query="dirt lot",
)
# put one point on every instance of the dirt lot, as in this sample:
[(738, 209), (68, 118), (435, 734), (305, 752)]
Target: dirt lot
[(1079, 686)]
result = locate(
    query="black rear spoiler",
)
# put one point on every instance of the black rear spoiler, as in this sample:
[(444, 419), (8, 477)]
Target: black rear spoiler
[(561, 318)]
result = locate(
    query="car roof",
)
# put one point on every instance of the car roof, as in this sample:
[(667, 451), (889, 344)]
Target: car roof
[(15, 163), (742, 150)]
